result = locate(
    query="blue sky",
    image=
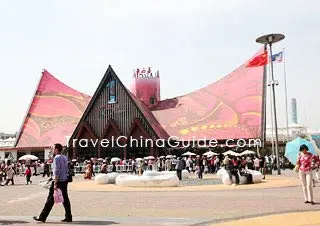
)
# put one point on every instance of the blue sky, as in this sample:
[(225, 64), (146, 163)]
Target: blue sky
[(191, 43)]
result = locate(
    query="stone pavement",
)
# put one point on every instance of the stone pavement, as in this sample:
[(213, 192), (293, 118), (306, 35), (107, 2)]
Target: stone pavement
[(271, 182), (289, 219), (145, 207)]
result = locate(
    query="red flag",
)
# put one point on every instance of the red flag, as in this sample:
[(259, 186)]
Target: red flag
[(259, 60)]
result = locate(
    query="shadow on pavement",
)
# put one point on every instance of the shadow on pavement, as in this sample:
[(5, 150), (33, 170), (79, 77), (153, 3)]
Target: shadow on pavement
[(10, 222), (86, 222)]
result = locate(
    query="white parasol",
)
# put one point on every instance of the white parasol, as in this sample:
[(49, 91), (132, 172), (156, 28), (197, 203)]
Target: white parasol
[(28, 157), (247, 152), (188, 153), (149, 157), (115, 159), (210, 153), (231, 153)]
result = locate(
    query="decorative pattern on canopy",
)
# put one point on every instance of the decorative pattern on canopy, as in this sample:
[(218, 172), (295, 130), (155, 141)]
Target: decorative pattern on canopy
[(230, 108), (53, 114)]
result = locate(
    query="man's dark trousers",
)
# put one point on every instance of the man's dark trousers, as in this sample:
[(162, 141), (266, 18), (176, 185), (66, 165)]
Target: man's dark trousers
[(63, 186), (235, 173), (179, 174)]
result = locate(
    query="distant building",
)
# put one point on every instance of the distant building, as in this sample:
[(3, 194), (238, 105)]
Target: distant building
[(295, 130), (7, 141), (4, 136), (294, 116)]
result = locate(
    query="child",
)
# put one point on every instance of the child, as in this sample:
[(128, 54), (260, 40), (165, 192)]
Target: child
[(28, 175)]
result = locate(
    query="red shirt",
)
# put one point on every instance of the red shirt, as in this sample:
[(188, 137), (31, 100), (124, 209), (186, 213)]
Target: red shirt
[(28, 172), (305, 162), (235, 162)]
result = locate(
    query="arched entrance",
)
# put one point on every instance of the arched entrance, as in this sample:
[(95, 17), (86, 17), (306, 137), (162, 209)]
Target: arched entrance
[(139, 142), (113, 134), (86, 144)]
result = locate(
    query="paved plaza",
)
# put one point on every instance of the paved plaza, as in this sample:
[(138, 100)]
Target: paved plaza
[(177, 206)]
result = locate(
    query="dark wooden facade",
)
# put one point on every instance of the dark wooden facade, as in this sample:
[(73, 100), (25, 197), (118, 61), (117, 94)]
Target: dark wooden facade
[(112, 112)]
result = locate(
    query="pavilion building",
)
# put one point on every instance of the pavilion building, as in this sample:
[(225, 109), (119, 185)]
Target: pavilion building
[(229, 109)]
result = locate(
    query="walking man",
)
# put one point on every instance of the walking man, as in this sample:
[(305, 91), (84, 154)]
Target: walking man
[(60, 180), (179, 168)]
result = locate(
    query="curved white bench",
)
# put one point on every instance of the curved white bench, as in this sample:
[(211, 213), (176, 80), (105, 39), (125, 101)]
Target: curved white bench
[(106, 178), (151, 173), (184, 173), (221, 172), (256, 177), (112, 177), (166, 180)]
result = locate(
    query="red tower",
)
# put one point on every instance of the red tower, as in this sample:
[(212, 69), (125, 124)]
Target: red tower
[(146, 86)]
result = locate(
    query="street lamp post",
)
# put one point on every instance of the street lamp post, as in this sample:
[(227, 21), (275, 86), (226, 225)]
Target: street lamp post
[(270, 39), (271, 114)]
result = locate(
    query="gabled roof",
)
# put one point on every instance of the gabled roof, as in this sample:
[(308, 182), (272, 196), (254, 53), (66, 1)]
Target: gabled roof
[(161, 133), (230, 108), (53, 114), (154, 125)]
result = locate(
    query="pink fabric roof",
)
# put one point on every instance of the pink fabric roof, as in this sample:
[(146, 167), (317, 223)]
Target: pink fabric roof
[(230, 108), (53, 114), (227, 109)]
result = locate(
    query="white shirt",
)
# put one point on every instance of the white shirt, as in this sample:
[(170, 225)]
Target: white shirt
[(256, 162), (10, 172)]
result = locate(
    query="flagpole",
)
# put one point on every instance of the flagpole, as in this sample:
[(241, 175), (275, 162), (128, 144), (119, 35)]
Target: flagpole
[(286, 94)]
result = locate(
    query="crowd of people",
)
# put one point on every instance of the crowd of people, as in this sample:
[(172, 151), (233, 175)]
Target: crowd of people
[(193, 164), (62, 170), (8, 170)]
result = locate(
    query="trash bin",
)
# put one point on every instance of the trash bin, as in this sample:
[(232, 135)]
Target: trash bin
[(269, 169)]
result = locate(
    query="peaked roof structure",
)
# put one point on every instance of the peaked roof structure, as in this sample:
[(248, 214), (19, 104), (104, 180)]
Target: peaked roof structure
[(150, 119), (230, 108), (53, 114)]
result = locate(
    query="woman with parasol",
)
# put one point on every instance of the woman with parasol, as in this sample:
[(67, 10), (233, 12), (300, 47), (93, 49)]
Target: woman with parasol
[(304, 165)]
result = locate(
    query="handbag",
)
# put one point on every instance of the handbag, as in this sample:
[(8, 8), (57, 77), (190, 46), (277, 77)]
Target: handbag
[(58, 197), (296, 169)]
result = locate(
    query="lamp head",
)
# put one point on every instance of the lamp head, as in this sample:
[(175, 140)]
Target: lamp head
[(270, 38)]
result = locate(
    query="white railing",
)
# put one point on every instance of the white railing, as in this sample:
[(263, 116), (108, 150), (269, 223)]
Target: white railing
[(96, 169), (82, 168), (22, 169)]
